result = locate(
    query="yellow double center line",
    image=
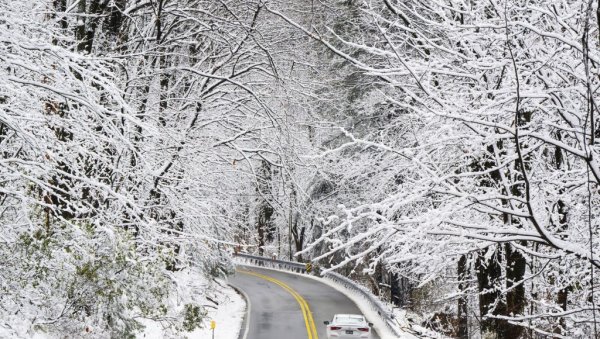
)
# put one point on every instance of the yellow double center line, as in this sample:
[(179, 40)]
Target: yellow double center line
[(311, 329)]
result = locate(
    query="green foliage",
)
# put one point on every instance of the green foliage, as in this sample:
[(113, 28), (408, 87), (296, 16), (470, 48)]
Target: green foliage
[(90, 276), (192, 318), (219, 267)]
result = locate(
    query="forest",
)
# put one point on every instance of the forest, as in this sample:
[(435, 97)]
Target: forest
[(444, 153)]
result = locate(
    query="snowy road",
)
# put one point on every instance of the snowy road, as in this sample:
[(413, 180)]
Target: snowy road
[(278, 304)]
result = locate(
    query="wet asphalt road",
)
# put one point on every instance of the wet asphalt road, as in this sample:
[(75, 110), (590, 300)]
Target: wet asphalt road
[(275, 314)]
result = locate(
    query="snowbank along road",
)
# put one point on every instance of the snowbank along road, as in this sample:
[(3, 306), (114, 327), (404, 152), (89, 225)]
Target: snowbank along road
[(288, 306)]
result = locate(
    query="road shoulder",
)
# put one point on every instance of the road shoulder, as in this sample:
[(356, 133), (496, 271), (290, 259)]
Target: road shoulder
[(243, 333)]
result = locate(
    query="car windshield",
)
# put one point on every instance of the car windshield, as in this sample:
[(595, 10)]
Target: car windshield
[(349, 319)]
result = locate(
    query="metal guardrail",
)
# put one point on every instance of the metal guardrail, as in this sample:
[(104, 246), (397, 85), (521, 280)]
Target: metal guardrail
[(273, 263), (375, 304)]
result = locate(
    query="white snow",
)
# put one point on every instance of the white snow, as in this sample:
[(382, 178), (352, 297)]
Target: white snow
[(228, 315), (401, 316)]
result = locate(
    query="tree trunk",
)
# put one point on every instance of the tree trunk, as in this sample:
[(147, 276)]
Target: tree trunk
[(489, 276), (115, 17), (264, 224), (298, 235), (80, 29), (515, 297), (395, 291), (96, 9), (463, 275)]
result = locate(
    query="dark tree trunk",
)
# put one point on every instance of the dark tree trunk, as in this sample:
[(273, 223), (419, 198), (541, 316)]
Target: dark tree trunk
[(400, 290), (80, 29), (489, 279), (515, 297), (115, 17), (516, 263), (87, 23), (395, 291), (463, 275), (562, 299), (377, 279), (96, 9), (563, 213), (60, 6), (298, 235), (264, 225), (162, 63)]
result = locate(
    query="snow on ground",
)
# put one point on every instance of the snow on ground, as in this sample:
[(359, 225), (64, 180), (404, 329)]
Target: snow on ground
[(224, 305), (406, 320), (229, 317)]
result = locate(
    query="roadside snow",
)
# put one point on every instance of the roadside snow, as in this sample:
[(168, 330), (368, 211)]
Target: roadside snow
[(407, 320), (224, 305), (229, 317)]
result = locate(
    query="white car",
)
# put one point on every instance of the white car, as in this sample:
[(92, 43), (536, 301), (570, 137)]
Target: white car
[(348, 326)]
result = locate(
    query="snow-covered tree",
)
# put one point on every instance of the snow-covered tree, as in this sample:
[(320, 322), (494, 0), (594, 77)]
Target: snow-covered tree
[(486, 166)]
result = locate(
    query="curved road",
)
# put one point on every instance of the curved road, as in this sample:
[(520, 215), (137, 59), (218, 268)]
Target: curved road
[(278, 304)]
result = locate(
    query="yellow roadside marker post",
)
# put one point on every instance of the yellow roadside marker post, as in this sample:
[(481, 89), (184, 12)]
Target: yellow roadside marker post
[(308, 267), (213, 325)]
